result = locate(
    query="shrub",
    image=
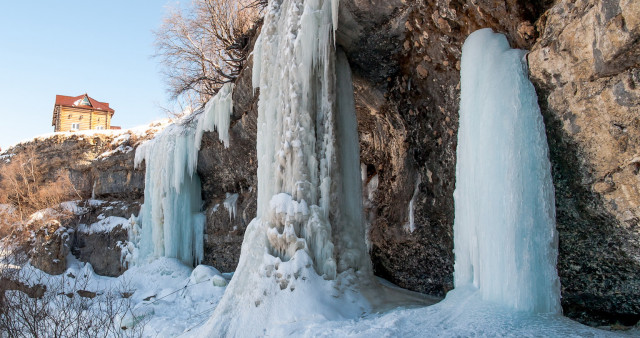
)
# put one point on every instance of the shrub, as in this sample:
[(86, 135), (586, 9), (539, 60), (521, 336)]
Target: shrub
[(27, 187), (34, 304)]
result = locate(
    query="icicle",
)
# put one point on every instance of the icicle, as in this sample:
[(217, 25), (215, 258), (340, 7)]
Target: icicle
[(230, 204), (505, 238), (257, 63), (411, 225), (335, 8)]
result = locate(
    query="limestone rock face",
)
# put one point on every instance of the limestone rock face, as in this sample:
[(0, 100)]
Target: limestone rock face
[(586, 66), (50, 246), (229, 179), (105, 250)]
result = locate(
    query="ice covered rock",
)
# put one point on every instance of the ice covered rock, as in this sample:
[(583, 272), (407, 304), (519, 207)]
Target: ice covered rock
[(202, 273)]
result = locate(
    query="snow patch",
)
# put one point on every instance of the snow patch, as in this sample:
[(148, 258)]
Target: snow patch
[(73, 207), (107, 224)]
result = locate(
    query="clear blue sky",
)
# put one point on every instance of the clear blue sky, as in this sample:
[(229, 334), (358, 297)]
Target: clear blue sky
[(64, 47)]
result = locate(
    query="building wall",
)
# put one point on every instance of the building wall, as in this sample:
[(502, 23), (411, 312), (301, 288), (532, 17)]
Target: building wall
[(87, 119)]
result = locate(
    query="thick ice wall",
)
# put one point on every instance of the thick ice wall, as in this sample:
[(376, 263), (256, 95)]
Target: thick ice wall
[(170, 223), (504, 232), (170, 218)]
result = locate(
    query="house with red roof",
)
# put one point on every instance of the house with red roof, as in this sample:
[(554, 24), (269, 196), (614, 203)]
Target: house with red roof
[(71, 113)]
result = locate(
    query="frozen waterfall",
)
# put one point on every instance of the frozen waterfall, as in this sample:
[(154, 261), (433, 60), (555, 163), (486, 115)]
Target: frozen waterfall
[(504, 231), (305, 253), (170, 223)]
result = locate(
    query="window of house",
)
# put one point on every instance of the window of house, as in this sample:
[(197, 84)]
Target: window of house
[(75, 126), (100, 128)]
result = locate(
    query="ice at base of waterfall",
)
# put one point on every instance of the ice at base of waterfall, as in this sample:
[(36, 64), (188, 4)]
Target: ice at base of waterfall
[(171, 309)]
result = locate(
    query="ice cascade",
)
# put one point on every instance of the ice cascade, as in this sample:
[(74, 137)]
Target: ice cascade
[(306, 246), (309, 182), (504, 231), (170, 223)]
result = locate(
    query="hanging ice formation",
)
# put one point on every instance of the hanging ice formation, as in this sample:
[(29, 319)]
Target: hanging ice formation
[(504, 233), (309, 226), (308, 153), (170, 223)]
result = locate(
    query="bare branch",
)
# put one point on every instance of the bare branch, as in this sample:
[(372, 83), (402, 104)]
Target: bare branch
[(205, 45)]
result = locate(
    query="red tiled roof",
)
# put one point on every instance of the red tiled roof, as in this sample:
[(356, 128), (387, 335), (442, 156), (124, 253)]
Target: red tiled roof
[(70, 101), (115, 128)]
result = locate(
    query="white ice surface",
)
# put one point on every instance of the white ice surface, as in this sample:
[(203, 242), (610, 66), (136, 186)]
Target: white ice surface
[(304, 257), (180, 299), (462, 314)]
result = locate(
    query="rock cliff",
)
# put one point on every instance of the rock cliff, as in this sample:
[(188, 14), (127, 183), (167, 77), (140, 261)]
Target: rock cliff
[(584, 62), (229, 179), (100, 166), (586, 66)]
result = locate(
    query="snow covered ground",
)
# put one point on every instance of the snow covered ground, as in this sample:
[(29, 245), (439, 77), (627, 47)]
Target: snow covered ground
[(167, 297), (171, 299)]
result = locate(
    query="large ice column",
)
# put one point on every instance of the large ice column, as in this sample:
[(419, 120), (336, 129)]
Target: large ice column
[(305, 251), (307, 139), (170, 223), (504, 232)]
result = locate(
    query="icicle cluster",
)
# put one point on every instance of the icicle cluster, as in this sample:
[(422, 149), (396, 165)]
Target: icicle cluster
[(505, 238), (217, 115), (170, 223)]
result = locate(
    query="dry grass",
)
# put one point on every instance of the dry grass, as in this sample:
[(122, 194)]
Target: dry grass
[(25, 188)]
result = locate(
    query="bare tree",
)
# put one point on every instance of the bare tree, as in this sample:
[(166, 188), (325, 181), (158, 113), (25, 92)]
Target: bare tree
[(205, 46)]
